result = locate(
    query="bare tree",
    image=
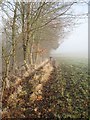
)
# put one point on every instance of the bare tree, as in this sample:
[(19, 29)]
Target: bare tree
[(31, 26)]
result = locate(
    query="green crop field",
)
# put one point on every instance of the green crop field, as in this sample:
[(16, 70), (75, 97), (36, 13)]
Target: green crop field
[(70, 88)]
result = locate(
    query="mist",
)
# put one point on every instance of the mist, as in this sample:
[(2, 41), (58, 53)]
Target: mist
[(76, 43)]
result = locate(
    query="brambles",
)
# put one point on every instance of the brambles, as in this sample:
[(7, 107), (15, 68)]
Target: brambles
[(25, 94)]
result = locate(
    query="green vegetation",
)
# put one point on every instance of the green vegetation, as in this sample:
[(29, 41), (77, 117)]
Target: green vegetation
[(30, 31), (70, 88), (64, 94)]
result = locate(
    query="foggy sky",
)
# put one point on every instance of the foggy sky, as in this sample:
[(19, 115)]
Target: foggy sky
[(76, 43)]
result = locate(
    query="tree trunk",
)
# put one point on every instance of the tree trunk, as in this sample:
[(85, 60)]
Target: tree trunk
[(28, 33), (23, 28), (13, 37)]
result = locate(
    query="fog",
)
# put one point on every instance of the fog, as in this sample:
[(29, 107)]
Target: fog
[(76, 43)]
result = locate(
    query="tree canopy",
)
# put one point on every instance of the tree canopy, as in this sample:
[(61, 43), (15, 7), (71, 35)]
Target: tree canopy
[(32, 29)]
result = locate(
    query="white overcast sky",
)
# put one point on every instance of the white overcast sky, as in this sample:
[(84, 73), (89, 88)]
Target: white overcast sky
[(77, 41)]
